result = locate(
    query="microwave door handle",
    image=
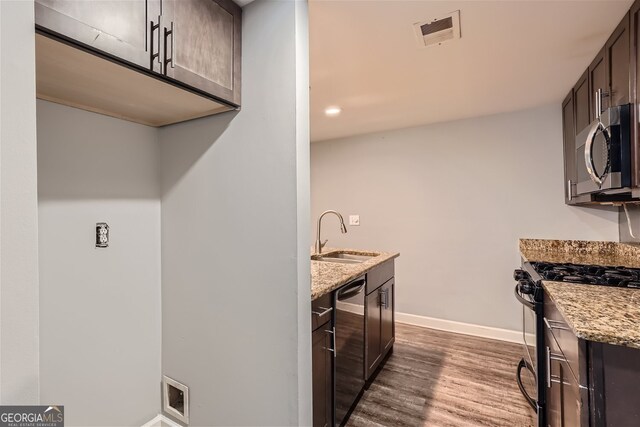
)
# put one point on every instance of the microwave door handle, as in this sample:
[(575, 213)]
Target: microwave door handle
[(588, 152)]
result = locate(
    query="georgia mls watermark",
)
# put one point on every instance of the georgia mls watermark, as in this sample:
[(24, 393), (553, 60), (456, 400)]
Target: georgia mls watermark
[(32, 416)]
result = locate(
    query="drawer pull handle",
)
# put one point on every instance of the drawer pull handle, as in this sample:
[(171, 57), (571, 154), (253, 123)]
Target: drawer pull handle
[(556, 379), (557, 357), (322, 313), (554, 324)]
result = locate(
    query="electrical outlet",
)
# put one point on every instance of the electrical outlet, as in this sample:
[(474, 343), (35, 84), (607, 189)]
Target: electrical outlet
[(354, 219), (102, 235)]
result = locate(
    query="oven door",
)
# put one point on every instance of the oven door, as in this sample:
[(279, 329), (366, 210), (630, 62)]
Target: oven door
[(526, 371)]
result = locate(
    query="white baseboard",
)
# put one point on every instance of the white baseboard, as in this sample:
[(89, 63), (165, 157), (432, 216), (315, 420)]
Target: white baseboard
[(451, 326), (161, 421), (463, 328)]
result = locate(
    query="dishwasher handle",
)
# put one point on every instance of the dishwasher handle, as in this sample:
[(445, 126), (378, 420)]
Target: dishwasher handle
[(351, 290)]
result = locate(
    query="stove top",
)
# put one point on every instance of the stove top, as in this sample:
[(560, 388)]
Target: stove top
[(589, 274)]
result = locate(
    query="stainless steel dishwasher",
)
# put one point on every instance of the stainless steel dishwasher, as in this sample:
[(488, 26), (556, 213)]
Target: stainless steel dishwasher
[(349, 335)]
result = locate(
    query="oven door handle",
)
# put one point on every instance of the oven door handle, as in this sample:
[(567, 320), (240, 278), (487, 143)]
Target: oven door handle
[(520, 298), (524, 364)]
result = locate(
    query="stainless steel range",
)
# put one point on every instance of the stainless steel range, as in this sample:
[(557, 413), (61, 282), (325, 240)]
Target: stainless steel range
[(531, 370)]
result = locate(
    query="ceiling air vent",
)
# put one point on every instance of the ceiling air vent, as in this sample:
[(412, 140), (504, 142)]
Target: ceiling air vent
[(437, 31)]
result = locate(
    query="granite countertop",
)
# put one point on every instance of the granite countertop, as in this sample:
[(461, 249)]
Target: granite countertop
[(595, 313), (329, 276), (581, 252), (599, 313)]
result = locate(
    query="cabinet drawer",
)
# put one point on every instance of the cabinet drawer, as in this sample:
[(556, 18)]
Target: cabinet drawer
[(321, 311), (379, 276), (566, 340)]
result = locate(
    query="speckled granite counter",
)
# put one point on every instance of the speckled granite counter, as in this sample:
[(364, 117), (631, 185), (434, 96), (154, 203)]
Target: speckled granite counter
[(329, 276), (595, 313), (581, 252), (599, 313)]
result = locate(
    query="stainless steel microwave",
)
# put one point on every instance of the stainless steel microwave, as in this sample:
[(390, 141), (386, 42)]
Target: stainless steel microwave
[(603, 152)]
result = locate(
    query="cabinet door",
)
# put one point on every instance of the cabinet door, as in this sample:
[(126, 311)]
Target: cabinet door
[(581, 99), (617, 51), (554, 397), (598, 80), (387, 332), (322, 361), (372, 345), (569, 144), (118, 28), (571, 406), (202, 45)]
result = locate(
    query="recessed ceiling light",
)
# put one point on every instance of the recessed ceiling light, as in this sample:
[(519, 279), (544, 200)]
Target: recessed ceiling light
[(332, 111)]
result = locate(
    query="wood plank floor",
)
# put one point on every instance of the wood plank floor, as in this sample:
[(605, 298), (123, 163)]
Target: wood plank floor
[(441, 379)]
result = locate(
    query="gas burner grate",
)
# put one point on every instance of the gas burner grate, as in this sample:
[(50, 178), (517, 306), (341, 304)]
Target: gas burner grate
[(622, 277)]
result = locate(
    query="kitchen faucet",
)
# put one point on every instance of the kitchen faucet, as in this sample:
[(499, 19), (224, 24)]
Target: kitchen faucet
[(319, 243)]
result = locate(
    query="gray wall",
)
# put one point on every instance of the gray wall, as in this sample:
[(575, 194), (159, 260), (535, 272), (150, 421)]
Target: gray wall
[(100, 318), (454, 198), (18, 206), (235, 268)]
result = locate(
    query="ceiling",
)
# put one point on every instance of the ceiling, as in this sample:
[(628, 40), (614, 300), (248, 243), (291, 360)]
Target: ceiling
[(512, 55)]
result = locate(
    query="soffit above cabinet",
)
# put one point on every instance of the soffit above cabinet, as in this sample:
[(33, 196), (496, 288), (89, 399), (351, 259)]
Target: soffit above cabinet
[(74, 77)]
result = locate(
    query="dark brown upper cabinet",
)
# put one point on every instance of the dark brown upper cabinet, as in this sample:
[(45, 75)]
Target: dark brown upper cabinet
[(617, 51), (610, 80), (569, 146), (114, 27), (201, 45), (155, 62), (582, 104), (609, 71)]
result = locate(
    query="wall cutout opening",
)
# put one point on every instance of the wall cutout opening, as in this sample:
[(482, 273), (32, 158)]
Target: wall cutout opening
[(175, 400)]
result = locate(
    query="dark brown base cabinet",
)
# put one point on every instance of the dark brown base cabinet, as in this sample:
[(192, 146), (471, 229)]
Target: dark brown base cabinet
[(379, 336), (380, 326), (588, 383), (322, 355)]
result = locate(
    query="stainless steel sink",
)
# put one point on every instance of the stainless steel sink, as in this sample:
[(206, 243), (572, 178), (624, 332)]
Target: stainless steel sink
[(343, 257)]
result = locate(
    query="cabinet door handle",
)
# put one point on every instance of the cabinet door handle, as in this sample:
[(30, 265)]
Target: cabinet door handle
[(169, 59), (384, 298), (557, 357), (381, 302), (333, 341), (599, 95), (569, 190), (548, 367), (154, 55)]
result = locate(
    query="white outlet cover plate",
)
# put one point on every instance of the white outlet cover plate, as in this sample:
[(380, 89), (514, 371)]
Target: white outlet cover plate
[(354, 219)]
